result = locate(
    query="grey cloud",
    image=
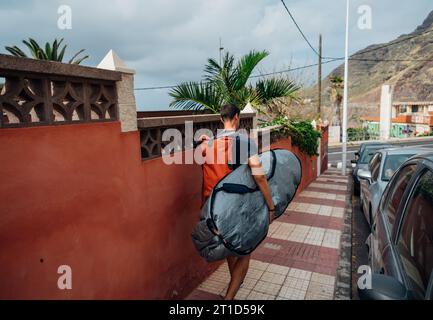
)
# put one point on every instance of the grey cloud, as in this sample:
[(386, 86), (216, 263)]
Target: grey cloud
[(168, 41)]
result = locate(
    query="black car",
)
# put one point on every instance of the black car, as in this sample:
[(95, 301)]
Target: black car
[(401, 243), (363, 157)]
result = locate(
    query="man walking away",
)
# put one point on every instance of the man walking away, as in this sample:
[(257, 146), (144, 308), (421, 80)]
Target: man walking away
[(222, 155)]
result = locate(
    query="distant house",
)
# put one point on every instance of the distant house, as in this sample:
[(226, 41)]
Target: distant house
[(409, 119)]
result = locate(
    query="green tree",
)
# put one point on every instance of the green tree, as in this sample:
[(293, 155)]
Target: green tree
[(229, 83), (337, 84), (52, 52)]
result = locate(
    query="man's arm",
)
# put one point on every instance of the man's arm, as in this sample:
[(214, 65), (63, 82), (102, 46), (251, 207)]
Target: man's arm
[(262, 183)]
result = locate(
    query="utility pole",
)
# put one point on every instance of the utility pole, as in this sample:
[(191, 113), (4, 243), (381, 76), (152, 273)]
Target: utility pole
[(346, 92), (319, 80), (221, 51)]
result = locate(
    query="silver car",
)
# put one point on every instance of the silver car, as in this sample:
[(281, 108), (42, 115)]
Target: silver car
[(380, 170)]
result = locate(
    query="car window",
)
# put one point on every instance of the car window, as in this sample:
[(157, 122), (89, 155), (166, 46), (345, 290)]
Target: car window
[(396, 191), (369, 152), (392, 163), (415, 242), (375, 166)]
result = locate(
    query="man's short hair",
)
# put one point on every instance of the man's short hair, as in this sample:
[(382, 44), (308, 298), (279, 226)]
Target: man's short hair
[(229, 111)]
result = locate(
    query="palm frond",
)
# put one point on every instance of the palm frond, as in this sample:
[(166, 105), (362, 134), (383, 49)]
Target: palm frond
[(196, 96), (78, 61), (277, 87), (246, 66), (75, 55), (52, 52), (33, 48), (15, 51)]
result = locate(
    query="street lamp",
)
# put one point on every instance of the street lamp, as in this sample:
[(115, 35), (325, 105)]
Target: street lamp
[(346, 91)]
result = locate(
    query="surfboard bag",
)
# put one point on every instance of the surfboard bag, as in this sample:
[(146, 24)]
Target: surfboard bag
[(235, 218)]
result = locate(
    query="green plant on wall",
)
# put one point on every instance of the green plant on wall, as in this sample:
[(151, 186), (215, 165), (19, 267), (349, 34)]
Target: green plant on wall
[(302, 133), (228, 82), (51, 52)]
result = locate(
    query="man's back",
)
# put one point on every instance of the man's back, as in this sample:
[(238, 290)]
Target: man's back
[(225, 153)]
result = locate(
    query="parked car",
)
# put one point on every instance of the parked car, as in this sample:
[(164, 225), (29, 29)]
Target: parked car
[(363, 157), (375, 178), (401, 242)]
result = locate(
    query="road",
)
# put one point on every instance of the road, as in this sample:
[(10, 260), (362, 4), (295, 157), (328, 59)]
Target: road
[(360, 233), (335, 154)]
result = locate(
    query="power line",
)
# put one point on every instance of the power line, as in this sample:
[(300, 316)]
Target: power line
[(292, 69), (299, 29), (252, 77), (388, 44)]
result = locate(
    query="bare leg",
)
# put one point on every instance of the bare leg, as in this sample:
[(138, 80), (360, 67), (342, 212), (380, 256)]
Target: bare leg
[(231, 261), (239, 272)]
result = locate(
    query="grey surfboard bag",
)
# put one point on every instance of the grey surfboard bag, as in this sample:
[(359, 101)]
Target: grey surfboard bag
[(237, 211)]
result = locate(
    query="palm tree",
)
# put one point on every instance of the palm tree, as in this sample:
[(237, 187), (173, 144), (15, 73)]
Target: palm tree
[(337, 84), (228, 83), (51, 52)]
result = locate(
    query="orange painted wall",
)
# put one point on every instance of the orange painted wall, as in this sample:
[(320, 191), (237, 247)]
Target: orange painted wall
[(79, 195)]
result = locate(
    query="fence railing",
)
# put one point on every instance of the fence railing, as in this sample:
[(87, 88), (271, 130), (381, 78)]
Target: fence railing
[(152, 130), (36, 92)]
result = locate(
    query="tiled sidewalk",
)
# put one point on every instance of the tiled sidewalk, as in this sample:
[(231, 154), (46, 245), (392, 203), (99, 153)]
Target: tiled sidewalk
[(298, 260)]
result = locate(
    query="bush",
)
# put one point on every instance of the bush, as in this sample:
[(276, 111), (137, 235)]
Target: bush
[(357, 134), (302, 133)]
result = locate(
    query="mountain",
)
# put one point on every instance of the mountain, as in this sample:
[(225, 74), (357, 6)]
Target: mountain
[(412, 80)]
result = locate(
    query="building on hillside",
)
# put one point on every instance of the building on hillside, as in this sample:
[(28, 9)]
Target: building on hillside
[(409, 119)]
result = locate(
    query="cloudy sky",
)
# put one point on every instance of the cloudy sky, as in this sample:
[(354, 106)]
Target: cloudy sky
[(169, 41)]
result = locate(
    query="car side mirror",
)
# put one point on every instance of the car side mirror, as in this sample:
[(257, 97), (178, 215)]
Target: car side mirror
[(357, 154), (354, 161), (384, 288), (364, 175)]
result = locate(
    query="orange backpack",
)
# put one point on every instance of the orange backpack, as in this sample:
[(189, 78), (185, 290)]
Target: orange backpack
[(219, 161)]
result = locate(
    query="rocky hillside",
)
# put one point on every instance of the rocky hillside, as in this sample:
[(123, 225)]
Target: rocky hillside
[(412, 80)]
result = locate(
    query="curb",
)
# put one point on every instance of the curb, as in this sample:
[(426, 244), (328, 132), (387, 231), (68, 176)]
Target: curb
[(395, 140), (343, 287)]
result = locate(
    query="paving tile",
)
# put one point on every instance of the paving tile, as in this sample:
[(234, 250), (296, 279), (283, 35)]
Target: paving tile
[(331, 239), (315, 236), (299, 233), (284, 231), (288, 293), (273, 278), (322, 279), (300, 274), (296, 283), (212, 286), (242, 294), (254, 295), (258, 265), (267, 287), (317, 291), (254, 273), (278, 269), (249, 283)]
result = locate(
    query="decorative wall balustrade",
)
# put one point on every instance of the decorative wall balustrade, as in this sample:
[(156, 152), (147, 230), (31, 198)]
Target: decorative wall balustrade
[(152, 130), (34, 92)]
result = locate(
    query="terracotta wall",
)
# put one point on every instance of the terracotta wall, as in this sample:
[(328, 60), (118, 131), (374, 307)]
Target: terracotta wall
[(79, 195)]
